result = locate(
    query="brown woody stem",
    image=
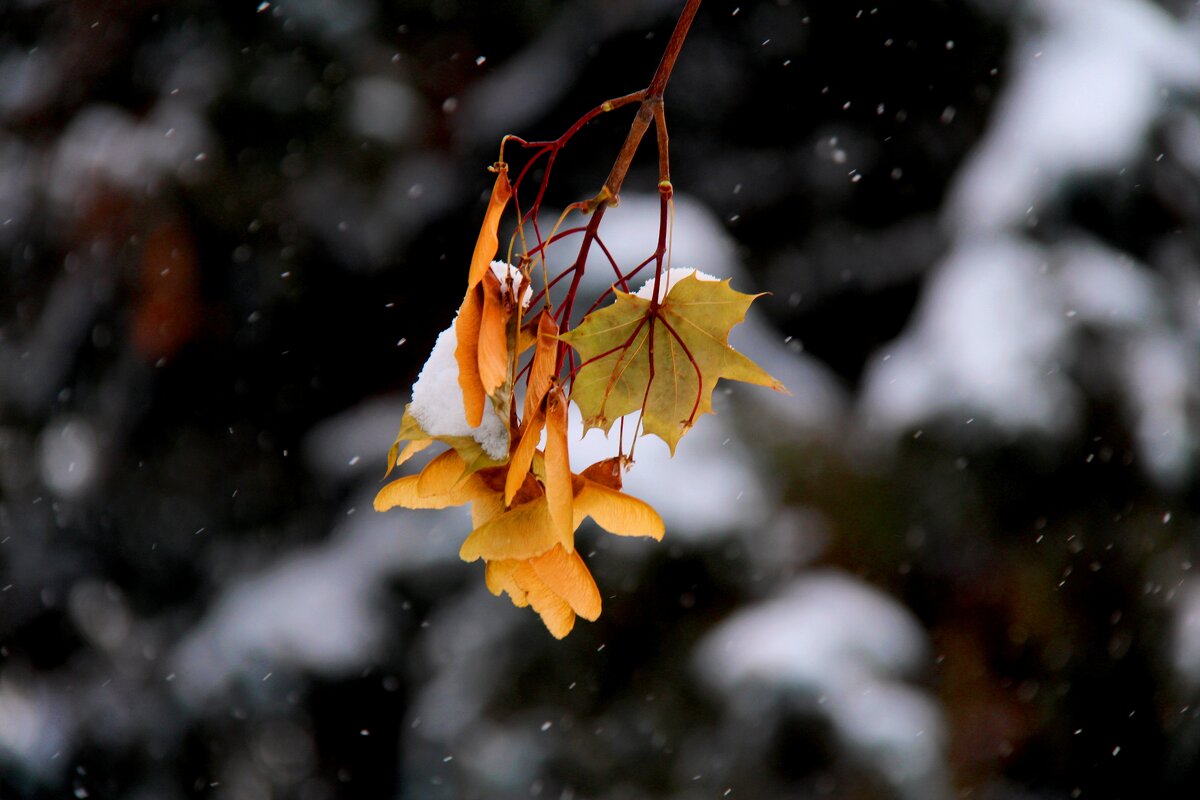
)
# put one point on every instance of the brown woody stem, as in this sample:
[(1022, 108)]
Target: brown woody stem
[(651, 102), (649, 111), (664, 148)]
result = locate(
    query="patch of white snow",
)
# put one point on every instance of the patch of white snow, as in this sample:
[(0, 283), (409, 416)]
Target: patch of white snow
[(669, 279), (834, 646), (437, 403), (985, 341), (1085, 90)]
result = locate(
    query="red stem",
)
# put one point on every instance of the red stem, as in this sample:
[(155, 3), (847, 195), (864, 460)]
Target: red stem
[(613, 261), (660, 251), (695, 366)]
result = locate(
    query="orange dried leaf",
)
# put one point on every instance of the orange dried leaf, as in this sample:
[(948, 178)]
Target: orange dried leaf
[(567, 576), (487, 242), (466, 329), (530, 490)]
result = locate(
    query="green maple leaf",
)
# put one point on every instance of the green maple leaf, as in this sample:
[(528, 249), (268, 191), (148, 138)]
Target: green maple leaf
[(688, 334)]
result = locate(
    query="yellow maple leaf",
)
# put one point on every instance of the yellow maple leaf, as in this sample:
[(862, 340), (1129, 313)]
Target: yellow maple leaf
[(663, 358)]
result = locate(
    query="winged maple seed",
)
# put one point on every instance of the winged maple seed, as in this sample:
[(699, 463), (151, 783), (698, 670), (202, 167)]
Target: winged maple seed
[(526, 553), (659, 353), (486, 311), (482, 354), (488, 241), (662, 355), (526, 507)]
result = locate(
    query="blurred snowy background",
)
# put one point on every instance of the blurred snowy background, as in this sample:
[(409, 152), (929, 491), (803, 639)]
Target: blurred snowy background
[(957, 562)]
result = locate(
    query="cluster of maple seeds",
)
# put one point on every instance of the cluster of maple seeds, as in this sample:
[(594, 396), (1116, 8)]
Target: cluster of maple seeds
[(524, 511), (660, 354)]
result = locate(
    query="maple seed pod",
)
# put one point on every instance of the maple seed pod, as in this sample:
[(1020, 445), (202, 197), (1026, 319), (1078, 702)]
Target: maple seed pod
[(555, 612), (522, 532), (492, 350), (474, 365), (488, 242), (541, 376), (522, 455), (559, 489), (466, 329), (541, 370), (567, 576)]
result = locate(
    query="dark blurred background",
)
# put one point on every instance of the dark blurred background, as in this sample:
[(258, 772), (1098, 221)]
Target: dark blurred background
[(956, 562)]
